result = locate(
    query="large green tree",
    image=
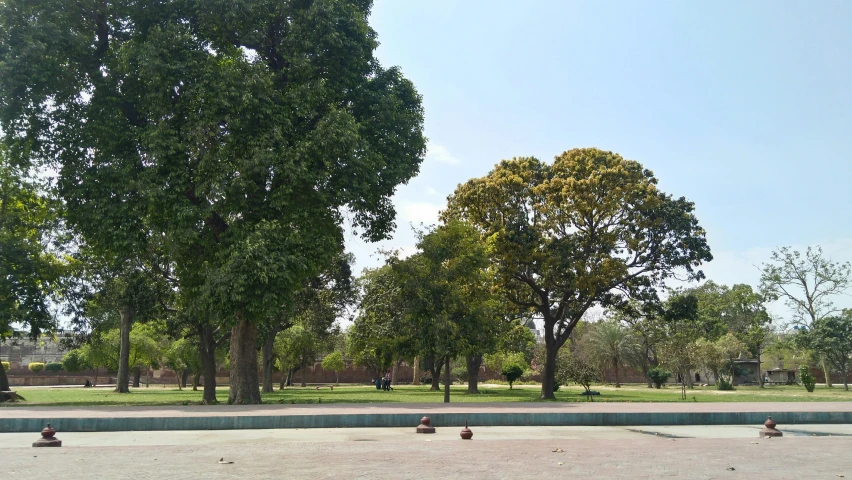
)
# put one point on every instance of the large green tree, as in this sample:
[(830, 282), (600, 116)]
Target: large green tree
[(808, 283), (831, 339), (242, 131), (29, 267), (447, 294), (589, 229)]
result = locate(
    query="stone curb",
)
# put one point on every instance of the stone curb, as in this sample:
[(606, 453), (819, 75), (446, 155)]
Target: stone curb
[(247, 422)]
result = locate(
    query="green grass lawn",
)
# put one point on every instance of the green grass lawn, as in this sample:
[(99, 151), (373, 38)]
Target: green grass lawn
[(158, 395)]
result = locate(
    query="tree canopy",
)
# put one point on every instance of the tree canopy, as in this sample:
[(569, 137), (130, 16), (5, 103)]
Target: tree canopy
[(589, 229), (244, 132)]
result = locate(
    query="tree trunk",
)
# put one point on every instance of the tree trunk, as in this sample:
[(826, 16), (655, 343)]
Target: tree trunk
[(137, 375), (473, 364), (416, 380), (268, 359), (393, 374), (759, 374), (4, 380), (244, 385), (435, 370), (615, 366), (645, 372), (183, 377), (126, 315), (207, 349), (302, 369), (827, 371), (147, 376), (96, 377), (447, 380), (196, 381), (336, 377), (549, 374)]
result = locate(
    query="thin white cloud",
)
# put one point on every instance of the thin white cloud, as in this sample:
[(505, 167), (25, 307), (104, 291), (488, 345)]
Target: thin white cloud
[(440, 154), (431, 191), (420, 212)]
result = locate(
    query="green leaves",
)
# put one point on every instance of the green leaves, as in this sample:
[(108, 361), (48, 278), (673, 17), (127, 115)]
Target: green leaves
[(590, 229), (30, 269)]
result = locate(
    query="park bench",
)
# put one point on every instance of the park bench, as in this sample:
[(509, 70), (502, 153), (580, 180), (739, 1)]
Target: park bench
[(9, 395)]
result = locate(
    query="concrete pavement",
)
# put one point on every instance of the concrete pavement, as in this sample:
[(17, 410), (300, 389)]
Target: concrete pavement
[(583, 455), (227, 417)]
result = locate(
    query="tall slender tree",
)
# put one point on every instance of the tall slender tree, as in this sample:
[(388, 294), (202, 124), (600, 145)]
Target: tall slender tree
[(808, 284)]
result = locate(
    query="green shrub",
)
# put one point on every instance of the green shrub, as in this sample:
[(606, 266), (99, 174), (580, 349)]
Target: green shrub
[(723, 384), (575, 370), (6, 366), (459, 373), (75, 361), (659, 376), (36, 367), (512, 372), (808, 380), (53, 367)]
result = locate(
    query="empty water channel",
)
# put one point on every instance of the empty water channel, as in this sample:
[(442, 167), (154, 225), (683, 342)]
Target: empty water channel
[(189, 437)]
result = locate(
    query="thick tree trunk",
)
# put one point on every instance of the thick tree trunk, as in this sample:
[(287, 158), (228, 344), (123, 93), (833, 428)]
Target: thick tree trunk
[(473, 364), (137, 376), (615, 366), (183, 377), (416, 380), (549, 374), (447, 380), (645, 372), (196, 381), (268, 359), (4, 380), (244, 385), (207, 349), (827, 371), (302, 375), (126, 315)]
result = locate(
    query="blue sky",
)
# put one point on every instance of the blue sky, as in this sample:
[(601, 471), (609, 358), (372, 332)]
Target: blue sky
[(745, 108)]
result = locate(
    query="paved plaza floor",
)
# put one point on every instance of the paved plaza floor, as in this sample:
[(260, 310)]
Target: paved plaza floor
[(694, 452)]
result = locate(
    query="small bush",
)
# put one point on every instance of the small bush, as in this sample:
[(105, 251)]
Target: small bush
[(36, 367), (724, 385), (459, 373), (53, 367), (808, 380), (512, 372), (6, 366), (659, 376), (75, 361)]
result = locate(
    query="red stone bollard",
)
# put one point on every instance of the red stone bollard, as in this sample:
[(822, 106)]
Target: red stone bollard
[(47, 438), (770, 430), (466, 434), (425, 426)]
